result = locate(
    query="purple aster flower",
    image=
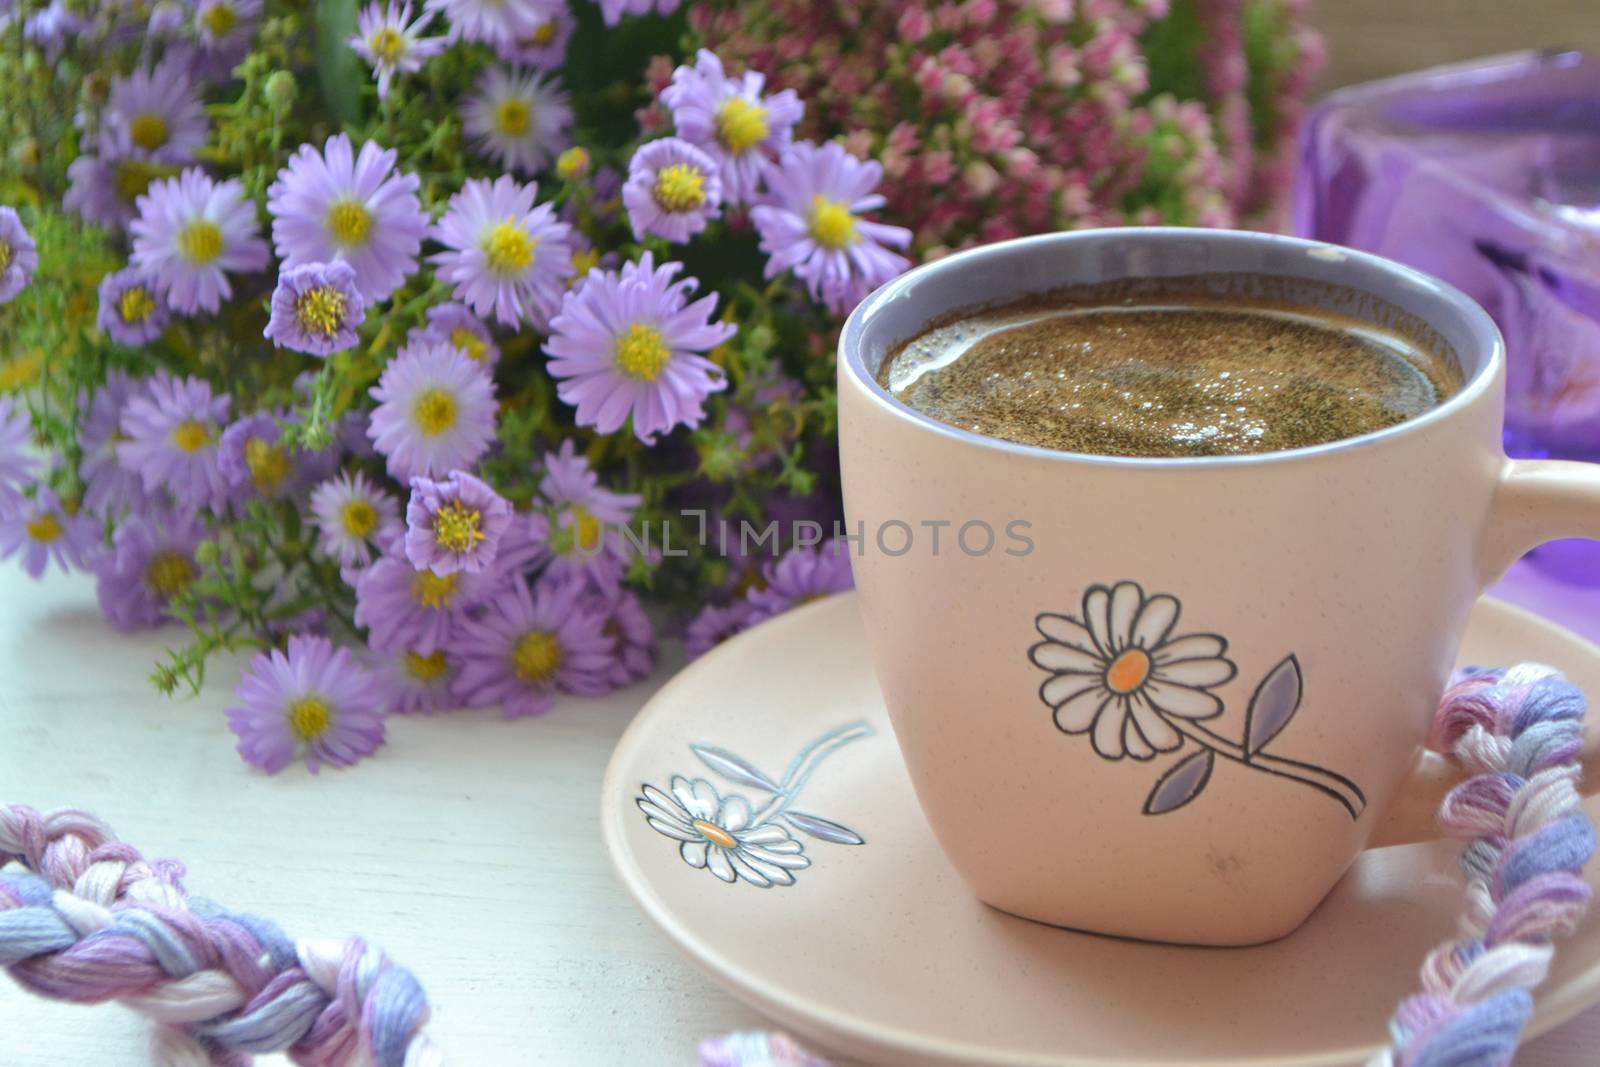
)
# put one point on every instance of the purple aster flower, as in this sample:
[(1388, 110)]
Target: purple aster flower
[(673, 189), (131, 311), (715, 625), (316, 308), (253, 459), (407, 609), (315, 701), (190, 232), (731, 120), (586, 537), (351, 513), (155, 114), (52, 27), (335, 204), (803, 574), (388, 39), (224, 29), (520, 119), (415, 682), (494, 21), (16, 465), (613, 10), (103, 190), (42, 530), (628, 344), (435, 411), (546, 47), (812, 224), (109, 487), (531, 644), (19, 257), (525, 548), (150, 562), (636, 647), (456, 325), (454, 525), (505, 256), (171, 429)]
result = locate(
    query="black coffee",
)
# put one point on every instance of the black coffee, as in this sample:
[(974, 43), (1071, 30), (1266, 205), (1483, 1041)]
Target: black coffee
[(1166, 376)]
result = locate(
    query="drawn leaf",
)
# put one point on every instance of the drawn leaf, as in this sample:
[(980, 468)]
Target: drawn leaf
[(734, 768), (1276, 700), (1182, 783), (824, 829)]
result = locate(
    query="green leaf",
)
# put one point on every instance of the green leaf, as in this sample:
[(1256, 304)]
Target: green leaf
[(339, 73)]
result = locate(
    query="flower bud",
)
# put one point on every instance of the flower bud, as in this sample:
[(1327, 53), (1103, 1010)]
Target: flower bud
[(573, 163), (281, 91)]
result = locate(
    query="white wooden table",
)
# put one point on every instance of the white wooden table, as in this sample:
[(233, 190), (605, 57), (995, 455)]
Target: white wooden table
[(469, 848)]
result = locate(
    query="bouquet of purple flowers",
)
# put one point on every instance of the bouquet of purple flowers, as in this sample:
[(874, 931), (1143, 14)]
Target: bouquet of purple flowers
[(440, 356)]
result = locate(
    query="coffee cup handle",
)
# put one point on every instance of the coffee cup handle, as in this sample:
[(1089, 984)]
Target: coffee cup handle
[(1536, 501)]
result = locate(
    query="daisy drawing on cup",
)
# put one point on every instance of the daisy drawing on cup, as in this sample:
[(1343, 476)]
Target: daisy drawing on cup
[(1122, 673)]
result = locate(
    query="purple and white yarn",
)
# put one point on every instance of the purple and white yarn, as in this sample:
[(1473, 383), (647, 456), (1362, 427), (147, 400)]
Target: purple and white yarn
[(1520, 732), (88, 920)]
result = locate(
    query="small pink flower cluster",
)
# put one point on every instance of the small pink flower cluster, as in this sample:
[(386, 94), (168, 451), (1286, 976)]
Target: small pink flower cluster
[(997, 118)]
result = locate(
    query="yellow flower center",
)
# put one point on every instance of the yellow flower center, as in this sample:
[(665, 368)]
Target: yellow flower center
[(320, 310), (191, 436), (349, 222), (680, 187), (134, 176), (536, 656), (715, 834), (135, 305), (218, 19), (642, 352), (387, 45), (200, 241), (508, 248), (583, 261), (359, 518), (573, 163), (169, 574), (474, 346), (544, 34), (586, 529), (1128, 671), (268, 464), (309, 718), (435, 412), (512, 117), (148, 131), (741, 125), (832, 224), (5, 255), (45, 528), (432, 591), (425, 668), (455, 526)]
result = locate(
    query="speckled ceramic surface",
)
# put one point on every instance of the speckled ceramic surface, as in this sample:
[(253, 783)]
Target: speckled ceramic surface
[(771, 762)]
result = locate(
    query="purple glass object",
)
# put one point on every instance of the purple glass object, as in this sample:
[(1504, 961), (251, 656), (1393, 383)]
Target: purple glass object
[(1485, 174)]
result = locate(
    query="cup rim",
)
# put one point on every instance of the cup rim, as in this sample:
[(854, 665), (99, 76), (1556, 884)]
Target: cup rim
[(1449, 301)]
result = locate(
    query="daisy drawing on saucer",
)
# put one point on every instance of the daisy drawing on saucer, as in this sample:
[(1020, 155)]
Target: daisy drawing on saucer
[(735, 839), (1122, 673)]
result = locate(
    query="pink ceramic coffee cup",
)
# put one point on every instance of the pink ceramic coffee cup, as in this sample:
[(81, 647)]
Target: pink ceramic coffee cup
[(1174, 698)]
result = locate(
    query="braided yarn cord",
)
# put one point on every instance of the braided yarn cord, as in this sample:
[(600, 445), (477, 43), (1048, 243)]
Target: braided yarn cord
[(1519, 732), (85, 918)]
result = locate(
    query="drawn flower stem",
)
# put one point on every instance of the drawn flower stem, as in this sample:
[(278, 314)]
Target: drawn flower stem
[(809, 759), (1337, 786)]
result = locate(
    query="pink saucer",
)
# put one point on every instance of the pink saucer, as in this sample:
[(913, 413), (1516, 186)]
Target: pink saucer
[(834, 912)]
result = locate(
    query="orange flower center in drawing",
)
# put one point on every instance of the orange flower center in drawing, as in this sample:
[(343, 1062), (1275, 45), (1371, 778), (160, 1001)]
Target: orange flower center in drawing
[(715, 834), (1128, 671)]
